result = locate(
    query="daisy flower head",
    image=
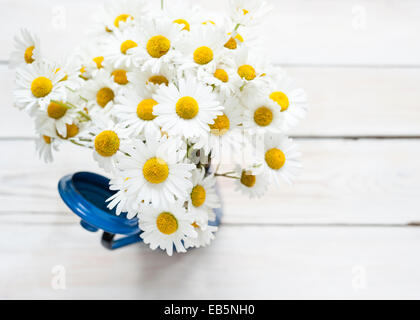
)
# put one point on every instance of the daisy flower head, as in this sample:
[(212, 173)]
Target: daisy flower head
[(225, 138), (157, 45), (291, 99), (186, 110), (261, 114), (37, 84), (250, 68), (223, 77), (101, 92), (119, 15), (91, 60), (205, 235), (281, 159), (107, 142), (46, 143), (155, 170), (237, 39), (73, 73), (166, 227), (122, 48), (59, 115), (119, 74), (248, 12), (134, 109), (182, 12), (202, 49), (27, 49), (152, 80), (203, 197), (251, 182), (120, 201)]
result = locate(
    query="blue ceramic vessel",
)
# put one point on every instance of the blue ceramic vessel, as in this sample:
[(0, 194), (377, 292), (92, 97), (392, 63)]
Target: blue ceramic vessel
[(85, 194)]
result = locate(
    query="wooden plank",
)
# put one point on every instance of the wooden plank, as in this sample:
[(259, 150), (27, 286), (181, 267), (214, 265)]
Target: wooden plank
[(356, 182), (243, 263), (343, 102), (297, 32)]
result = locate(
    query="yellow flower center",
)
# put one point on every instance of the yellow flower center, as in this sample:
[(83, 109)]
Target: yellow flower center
[(281, 99), (41, 87), (104, 96), (98, 61), (263, 116), (29, 55), (145, 109), (195, 225), (209, 22), (198, 196), (245, 12), (122, 18), (47, 139), (127, 45), (56, 110), (221, 75), (247, 72), (203, 55), (158, 80), (155, 170), (231, 44), (187, 108), (107, 143), (184, 22), (167, 223), (239, 37), (72, 131), (221, 125), (248, 180), (120, 76), (275, 158), (158, 46), (82, 73)]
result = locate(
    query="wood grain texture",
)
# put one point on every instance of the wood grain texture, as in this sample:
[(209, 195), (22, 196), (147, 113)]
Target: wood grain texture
[(345, 182), (243, 263), (325, 32), (343, 102)]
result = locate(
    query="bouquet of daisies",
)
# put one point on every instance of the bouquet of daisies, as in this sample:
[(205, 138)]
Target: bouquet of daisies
[(165, 98)]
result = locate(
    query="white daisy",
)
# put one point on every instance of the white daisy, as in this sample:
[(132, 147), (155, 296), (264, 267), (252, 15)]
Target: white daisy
[(151, 80), (59, 115), (166, 227), (248, 12), (120, 201), (261, 114), (119, 75), (182, 12), (107, 141), (203, 198), (222, 77), (100, 91), (134, 109), (122, 48), (186, 110), (202, 49), (92, 59), (27, 49), (250, 68), (45, 146), (250, 183), (119, 14), (156, 170), (157, 46), (225, 138), (205, 235), (281, 159), (290, 98), (37, 84)]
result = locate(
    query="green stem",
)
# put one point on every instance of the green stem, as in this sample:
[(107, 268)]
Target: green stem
[(161, 4), (84, 115), (79, 144), (64, 105), (225, 176)]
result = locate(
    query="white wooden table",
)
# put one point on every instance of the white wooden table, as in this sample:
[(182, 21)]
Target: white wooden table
[(347, 229)]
